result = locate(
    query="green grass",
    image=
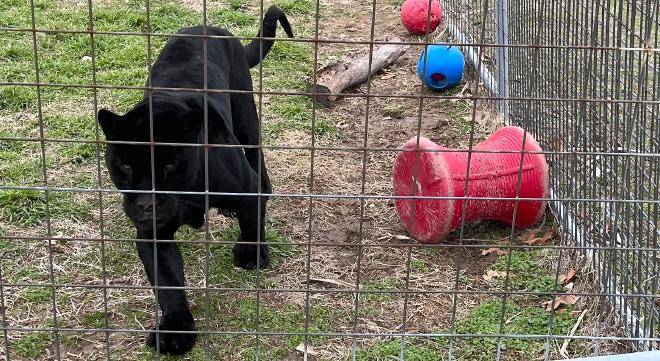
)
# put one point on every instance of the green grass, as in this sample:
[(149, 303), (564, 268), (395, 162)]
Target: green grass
[(525, 274), (31, 345), (20, 163), (28, 207), (416, 350), (285, 318), (22, 272), (221, 267), (294, 113), (420, 266), (237, 4), (519, 320), (523, 315), (386, 284), (94, 320), (458, 114), (7, 248), (240, 314), (393, 110), (61, 56), (235, 20), (37, 294), (297, 7)]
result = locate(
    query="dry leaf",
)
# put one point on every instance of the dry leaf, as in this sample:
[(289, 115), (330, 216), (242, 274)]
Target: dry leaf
[(549, 234), (310, 350), (530, 238), (528, 235), (493, 274), (568, 287), (561, 300), (534, 241), (498, 251), (567, 278)]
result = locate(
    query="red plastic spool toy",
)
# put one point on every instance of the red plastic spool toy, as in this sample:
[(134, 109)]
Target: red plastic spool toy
[(443, 174)]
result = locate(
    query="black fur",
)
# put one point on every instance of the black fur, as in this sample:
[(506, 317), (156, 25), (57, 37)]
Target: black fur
[(178, 117), (256, 47)]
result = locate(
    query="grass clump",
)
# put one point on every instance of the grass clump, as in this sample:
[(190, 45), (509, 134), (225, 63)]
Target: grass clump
[(94, 319), (393, 110), (297, 7), (294, 113), (28, 207), (240, 314), (525, 274), (7, 248), (285, 318), (234, 20), (418, 265), (416, 350), (20, 163), (221, 267), (520, 315), (37, 294), (237, 4), (386, 284), (518, 320), (31, 345)]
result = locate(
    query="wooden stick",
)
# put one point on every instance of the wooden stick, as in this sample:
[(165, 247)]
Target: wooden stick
[(564, 346), (348, 71)]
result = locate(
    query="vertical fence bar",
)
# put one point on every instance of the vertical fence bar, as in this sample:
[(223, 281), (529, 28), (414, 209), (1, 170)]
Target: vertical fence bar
[(99, 179), (502, 39), (44, 174)]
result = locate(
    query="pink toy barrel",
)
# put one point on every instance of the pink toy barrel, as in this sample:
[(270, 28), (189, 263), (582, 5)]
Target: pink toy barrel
[(442, 174)]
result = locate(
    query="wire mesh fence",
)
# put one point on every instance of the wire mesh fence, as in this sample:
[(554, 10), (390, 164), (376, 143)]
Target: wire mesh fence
[(345, 277)]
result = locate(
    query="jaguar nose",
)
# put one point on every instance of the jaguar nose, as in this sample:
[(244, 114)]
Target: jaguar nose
[(145, 206)]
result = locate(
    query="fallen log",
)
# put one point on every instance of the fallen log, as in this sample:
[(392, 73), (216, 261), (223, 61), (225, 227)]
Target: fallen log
[(352, 69)]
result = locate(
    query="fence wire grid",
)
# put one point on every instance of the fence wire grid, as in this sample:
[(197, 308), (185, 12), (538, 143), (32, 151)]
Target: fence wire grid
[(346, 280)]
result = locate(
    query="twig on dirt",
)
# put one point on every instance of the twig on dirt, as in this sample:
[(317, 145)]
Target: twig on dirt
[(465, 87), (309, 350), (564, 346), (332, 282), (510, 319)]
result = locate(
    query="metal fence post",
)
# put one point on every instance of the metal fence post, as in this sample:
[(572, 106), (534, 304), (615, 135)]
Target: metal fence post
[(502, 24)]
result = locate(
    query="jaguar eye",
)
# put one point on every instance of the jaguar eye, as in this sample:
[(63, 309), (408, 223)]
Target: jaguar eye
[(126, 166), (170, 166)]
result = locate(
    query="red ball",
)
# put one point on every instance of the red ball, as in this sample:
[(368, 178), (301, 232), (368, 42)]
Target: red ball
[(415, 12)]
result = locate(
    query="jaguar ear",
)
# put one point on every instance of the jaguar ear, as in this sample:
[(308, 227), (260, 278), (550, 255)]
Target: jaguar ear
[(111, 124)]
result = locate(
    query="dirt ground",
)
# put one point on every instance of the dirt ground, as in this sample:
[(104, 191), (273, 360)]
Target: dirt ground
[(370, 250)]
